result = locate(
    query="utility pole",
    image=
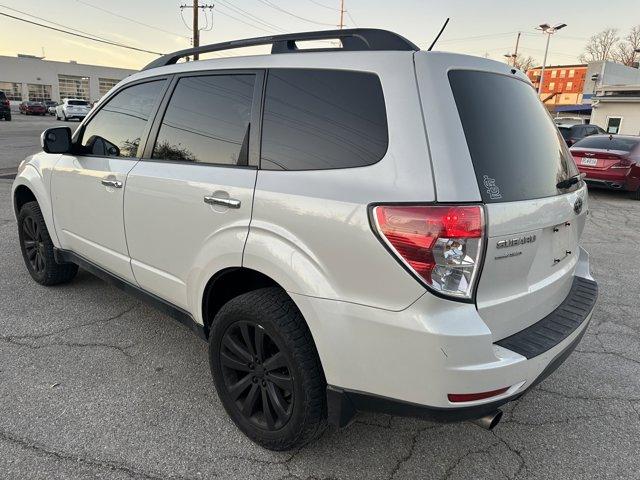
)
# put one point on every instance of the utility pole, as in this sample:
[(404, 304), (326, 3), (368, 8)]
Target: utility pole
[(196, 32), (196, 29), (514, 56), (341, 15)]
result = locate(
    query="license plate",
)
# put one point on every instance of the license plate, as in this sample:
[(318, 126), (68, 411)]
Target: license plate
[(589, 162)]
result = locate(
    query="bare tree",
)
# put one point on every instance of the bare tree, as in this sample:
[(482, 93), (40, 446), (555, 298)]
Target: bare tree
[(600, 46), (524, 63), (625, 51)]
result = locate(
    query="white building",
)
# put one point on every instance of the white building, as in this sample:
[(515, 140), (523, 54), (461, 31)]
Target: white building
[(26, 77), (617, 108)]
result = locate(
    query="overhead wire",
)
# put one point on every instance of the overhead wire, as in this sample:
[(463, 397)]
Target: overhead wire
[(93, 38)]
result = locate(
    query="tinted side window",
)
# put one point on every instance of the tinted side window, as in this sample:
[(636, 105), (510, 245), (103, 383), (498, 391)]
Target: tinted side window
[(207, 120), (116, 129), (320, 119)]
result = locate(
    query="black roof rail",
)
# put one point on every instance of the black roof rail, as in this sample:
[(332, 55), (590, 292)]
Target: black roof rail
[(353, 39)]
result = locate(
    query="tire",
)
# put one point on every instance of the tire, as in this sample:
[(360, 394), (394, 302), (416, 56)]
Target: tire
[(64, 116), (285, 372), (37, 248), (635, 195), (7, 117)]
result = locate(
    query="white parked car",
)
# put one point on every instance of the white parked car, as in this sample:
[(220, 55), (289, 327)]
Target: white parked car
[(373, 228), (72, 108)]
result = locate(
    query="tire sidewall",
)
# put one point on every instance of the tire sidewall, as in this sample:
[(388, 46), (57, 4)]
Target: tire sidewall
[(28, 210), (229, 315)]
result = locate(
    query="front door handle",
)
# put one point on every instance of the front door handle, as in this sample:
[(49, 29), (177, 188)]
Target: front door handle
[(226, 202), (111, 183)]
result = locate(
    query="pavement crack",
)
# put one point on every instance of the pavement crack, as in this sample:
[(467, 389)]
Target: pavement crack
[(449, 471), (410, 451), (66, 329), (122, 350), (522, 463), (109, 465)]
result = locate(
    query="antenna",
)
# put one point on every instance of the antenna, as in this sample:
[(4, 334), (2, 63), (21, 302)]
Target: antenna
[(438, 36)]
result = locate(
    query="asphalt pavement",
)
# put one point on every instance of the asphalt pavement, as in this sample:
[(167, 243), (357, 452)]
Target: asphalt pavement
[(21, 137), (94, 384)]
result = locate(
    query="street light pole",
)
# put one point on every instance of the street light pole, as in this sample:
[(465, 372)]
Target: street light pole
[(549, 30)]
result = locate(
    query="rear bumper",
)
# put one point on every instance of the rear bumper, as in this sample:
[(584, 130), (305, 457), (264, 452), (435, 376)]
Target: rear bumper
[(407, 362), (343, 404)]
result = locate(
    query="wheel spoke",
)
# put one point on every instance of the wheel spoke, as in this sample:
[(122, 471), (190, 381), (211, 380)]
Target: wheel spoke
[(283, 381), (275, 361), (240, 386), (40, 262), (236, 349), (32, 253), (29, 244), (228, 361), (250, 401), (259, 340), (266, 409), (26, 228), (278, 402), (244, 329)]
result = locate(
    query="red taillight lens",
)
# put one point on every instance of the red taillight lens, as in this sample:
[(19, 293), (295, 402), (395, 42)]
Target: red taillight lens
[(470, 397), (441, 244)]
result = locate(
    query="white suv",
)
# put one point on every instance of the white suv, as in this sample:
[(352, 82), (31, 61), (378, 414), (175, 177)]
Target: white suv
[(370, 228), (72, 108)]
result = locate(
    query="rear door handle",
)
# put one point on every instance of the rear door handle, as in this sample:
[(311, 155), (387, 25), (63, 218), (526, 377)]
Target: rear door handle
[(226, 202), (111, 183)]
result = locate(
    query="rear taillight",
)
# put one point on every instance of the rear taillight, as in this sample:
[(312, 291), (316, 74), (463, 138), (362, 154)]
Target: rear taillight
[(441, 245), (624, 163), (5, 103)]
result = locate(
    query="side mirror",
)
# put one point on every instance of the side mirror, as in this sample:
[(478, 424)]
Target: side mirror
[(56, 140)]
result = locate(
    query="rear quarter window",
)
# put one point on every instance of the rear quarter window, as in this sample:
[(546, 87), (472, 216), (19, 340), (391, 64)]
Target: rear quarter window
[(516, 149), (322, 119)]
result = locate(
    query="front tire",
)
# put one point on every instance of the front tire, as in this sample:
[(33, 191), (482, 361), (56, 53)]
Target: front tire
[(267, 371), (635, 195), (37, 248)]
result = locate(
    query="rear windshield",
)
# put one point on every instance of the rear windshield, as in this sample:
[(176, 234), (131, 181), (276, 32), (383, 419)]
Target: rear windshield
[(565, 132), (606, 143), (516, 150), (77, 102)]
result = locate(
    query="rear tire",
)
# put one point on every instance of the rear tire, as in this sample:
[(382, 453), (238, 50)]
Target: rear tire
[(635, 195), (7, 117), (267, 371), (37, 248)]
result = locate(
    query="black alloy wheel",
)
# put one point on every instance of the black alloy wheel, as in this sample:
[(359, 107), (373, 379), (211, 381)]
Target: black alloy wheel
[(257, 375), (33, 243)]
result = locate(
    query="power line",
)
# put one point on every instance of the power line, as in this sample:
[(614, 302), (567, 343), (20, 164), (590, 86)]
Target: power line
[(115, 44), (269, 4), (54, 23), (129, 19), (246, 23), (250, 16), (325, 6)]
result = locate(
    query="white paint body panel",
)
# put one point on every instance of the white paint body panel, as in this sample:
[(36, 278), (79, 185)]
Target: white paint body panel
[(88, 215), (176, 241)]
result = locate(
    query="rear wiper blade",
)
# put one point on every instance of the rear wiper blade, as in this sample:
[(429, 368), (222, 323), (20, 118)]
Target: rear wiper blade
[(567, 182)]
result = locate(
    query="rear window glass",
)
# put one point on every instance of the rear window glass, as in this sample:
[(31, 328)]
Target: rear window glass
[(565, 132), (77, 102), (322, 119), (516, 150), (604, 143)]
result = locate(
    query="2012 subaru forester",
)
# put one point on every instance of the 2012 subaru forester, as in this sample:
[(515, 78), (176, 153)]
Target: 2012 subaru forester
[(371, 227)]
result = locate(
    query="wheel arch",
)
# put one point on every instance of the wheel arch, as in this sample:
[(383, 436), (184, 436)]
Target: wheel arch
[(28, 186)]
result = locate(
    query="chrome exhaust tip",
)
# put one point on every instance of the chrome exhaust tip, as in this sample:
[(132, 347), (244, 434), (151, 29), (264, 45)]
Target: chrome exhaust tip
[(488, 422)]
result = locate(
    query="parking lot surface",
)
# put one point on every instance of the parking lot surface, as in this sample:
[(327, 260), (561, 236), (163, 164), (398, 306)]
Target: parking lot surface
[(95, 384), (21, 137)]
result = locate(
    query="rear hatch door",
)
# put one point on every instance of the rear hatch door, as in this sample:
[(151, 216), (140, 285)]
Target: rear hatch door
[(492, 141)]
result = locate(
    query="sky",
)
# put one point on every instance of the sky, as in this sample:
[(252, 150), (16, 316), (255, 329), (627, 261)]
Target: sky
[(483, 28)]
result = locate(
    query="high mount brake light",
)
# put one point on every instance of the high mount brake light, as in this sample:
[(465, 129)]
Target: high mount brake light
[(441, 245)]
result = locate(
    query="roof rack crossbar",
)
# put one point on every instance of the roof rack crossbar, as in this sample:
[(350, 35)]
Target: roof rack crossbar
[(354, 39)]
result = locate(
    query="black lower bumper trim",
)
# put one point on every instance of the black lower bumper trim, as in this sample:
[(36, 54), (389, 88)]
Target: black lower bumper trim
[(558, 325), (342, 404)]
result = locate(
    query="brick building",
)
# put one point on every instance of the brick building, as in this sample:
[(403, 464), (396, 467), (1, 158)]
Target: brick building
[(562, 85)]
